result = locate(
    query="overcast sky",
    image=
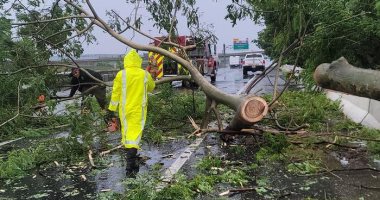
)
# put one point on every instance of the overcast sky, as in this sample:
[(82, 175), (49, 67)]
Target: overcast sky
[(211, 12)]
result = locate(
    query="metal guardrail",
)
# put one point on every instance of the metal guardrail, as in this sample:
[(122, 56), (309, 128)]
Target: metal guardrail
[(109, 74)]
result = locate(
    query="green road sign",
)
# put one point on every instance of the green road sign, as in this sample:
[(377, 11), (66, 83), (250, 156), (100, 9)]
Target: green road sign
[(241, 46)]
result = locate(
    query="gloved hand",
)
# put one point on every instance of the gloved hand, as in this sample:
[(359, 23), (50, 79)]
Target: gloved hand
[(153, 73), (153, 70), (111, 121)]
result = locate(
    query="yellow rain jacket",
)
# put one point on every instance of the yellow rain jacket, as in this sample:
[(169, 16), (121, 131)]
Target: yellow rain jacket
[(130, 93)]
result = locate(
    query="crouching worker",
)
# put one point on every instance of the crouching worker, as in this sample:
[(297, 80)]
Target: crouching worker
[(130, 94), (88, 86)]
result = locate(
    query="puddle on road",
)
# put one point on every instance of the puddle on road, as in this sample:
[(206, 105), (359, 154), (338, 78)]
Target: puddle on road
[(165, 154), (53, 183)]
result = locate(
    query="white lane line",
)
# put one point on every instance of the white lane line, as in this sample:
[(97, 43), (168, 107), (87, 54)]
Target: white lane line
[(178, 163), (10, 141)]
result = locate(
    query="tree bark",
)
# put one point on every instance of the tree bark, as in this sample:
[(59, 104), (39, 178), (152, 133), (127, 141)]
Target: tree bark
[(341, 76)]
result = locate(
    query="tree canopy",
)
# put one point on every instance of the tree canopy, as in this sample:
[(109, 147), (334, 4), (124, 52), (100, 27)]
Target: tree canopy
[(328, 29)]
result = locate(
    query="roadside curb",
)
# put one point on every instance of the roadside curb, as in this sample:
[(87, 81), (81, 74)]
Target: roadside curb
[(359, 109)]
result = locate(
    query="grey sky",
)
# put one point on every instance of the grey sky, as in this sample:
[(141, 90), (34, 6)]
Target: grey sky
[(211, 12)]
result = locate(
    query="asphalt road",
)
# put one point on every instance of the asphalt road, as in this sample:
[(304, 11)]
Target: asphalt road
[(232, 80)]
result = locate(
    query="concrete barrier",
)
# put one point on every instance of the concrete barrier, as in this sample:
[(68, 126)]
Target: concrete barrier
[(359, 109)]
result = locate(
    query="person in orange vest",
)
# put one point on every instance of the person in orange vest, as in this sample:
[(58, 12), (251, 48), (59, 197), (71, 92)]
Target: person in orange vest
[(40, 105), (130, 97), (41, 99)]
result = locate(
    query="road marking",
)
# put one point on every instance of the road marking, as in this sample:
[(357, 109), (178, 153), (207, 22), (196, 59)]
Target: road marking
[(178, 163), (10, 141)]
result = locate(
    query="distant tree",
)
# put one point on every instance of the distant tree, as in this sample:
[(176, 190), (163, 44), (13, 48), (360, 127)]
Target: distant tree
[(329, 29)]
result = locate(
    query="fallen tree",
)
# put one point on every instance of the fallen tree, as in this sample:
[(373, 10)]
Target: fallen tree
[(342, 76), (249, 109)]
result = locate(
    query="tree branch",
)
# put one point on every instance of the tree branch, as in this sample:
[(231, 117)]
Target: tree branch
[(51, 20), (79, 33), (271, 67), (18, 106), (297, 128), (152, 38), (173, 78)]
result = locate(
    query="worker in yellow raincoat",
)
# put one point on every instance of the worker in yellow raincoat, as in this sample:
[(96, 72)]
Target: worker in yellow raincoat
[(130, 94)]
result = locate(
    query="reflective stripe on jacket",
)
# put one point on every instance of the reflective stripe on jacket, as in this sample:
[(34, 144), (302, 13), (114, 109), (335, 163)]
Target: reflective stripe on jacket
[(130, 94)]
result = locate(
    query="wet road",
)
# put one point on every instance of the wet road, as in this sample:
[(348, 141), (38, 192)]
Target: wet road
[(64, 185), (232, 80)]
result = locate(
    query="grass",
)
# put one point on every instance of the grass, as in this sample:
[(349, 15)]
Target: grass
[(18, 162), (208, 162), (168, 112), (238, 149), (373, 146), (312, 108), (323, 116), (304, 167), (29, 127)]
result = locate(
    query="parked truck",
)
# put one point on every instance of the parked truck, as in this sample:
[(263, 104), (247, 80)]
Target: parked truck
[(200, 56), (253, 62)]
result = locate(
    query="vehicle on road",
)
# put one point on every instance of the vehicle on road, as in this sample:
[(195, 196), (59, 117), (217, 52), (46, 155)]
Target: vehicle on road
[(235, 62), (200, 56), (253, 62)]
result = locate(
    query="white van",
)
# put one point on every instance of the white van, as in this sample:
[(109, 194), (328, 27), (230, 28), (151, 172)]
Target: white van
[(235, 61)]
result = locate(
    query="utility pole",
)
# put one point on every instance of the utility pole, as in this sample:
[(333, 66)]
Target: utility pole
[(224, 54)]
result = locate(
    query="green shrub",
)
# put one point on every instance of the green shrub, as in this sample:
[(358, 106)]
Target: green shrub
[(208, 162)]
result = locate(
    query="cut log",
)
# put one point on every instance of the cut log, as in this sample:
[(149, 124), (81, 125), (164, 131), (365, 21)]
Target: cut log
[(343, 77), (252, 109)]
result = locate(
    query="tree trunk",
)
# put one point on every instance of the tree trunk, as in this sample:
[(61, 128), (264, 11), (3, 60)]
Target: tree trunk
[(341, 76)]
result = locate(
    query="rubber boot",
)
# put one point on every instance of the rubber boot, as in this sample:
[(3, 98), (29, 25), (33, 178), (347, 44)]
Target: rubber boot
[(132, 167)]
